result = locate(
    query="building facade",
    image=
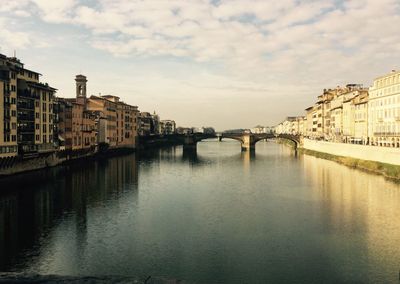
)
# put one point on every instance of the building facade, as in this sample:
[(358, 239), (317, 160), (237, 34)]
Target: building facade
[(384, 111), (167, 127), (26, 111)]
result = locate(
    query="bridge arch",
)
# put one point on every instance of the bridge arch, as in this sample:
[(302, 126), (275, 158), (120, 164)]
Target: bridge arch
[(294, 138)]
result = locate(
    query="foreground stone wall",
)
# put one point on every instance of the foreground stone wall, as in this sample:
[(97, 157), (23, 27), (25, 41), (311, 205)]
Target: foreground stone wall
[(363, 152), (20, 165)]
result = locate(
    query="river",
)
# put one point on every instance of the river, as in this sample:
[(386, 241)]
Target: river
[(218, 216)]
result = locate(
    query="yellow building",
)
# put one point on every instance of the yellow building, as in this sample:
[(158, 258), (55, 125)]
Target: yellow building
[(309, 121), (361, 118), (384, 111), (26, 110), (127, 117), (347, 120)]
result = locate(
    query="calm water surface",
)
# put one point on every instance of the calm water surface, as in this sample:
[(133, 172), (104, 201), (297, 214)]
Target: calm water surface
[(220, 216)]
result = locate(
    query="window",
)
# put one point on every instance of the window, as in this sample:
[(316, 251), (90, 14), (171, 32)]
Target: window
[(44, 128), (44, 117), (14, 138), (13, 88), (37, 115), (37, 126), (13, 113), (37, 104), (44, 107)]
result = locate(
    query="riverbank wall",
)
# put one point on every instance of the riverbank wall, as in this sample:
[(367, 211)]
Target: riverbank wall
[(380, 160), (16, 165)]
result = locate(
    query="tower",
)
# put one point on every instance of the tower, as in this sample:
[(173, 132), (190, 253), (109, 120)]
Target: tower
[(81, 89)]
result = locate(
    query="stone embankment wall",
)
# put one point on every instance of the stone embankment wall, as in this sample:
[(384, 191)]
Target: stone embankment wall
[(18, 165), (15, 165), (363, 152)]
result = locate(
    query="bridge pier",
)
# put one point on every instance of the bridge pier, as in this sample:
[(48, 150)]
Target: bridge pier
[(248, 142), (190, 142)]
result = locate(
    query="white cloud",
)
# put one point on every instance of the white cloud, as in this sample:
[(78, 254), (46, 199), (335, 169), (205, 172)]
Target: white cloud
[(12, 39), (271, 45)]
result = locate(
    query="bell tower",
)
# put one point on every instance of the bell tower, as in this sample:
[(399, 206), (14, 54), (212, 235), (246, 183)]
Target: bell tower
[(81, 89)]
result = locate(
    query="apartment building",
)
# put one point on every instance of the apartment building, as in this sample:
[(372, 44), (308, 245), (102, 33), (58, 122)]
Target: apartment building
[(146, 124), (384, 110), (26, 110), (63, 120), (117, 119), (361, 118)]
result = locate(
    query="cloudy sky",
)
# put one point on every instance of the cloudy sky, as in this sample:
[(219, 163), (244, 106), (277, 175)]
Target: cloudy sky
[(221, 63)]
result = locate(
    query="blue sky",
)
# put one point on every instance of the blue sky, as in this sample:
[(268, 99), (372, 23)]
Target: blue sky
[(226, 64)]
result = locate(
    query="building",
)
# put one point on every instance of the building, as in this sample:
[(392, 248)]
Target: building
[(384, 110), (63, 120), (147, 124), (107, 110), (83, 127), (309, 121), (167, 127), (116, 121), (156, 123), (26, 110), (184, 130), (261, 129), (76, 129), (361, 118), (291, 125)]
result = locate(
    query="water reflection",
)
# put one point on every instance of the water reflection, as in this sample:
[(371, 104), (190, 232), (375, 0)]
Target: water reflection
[(30, 211), (358, 206)]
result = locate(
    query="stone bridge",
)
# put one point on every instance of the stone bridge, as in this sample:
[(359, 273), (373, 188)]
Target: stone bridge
[(247, 140)]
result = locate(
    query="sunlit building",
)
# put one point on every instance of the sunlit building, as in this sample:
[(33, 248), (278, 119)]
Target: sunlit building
[(384, 110)]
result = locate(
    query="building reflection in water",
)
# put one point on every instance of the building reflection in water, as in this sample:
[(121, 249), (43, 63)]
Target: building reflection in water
[(38, 200), (356, 204)]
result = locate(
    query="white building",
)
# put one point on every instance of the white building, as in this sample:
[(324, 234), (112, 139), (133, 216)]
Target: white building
[(384, 111)]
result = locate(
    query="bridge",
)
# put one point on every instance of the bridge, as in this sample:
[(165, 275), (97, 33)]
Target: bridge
[(247, 140)]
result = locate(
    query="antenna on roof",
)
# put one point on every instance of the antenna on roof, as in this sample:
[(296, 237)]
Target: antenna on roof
[(15, 53)]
